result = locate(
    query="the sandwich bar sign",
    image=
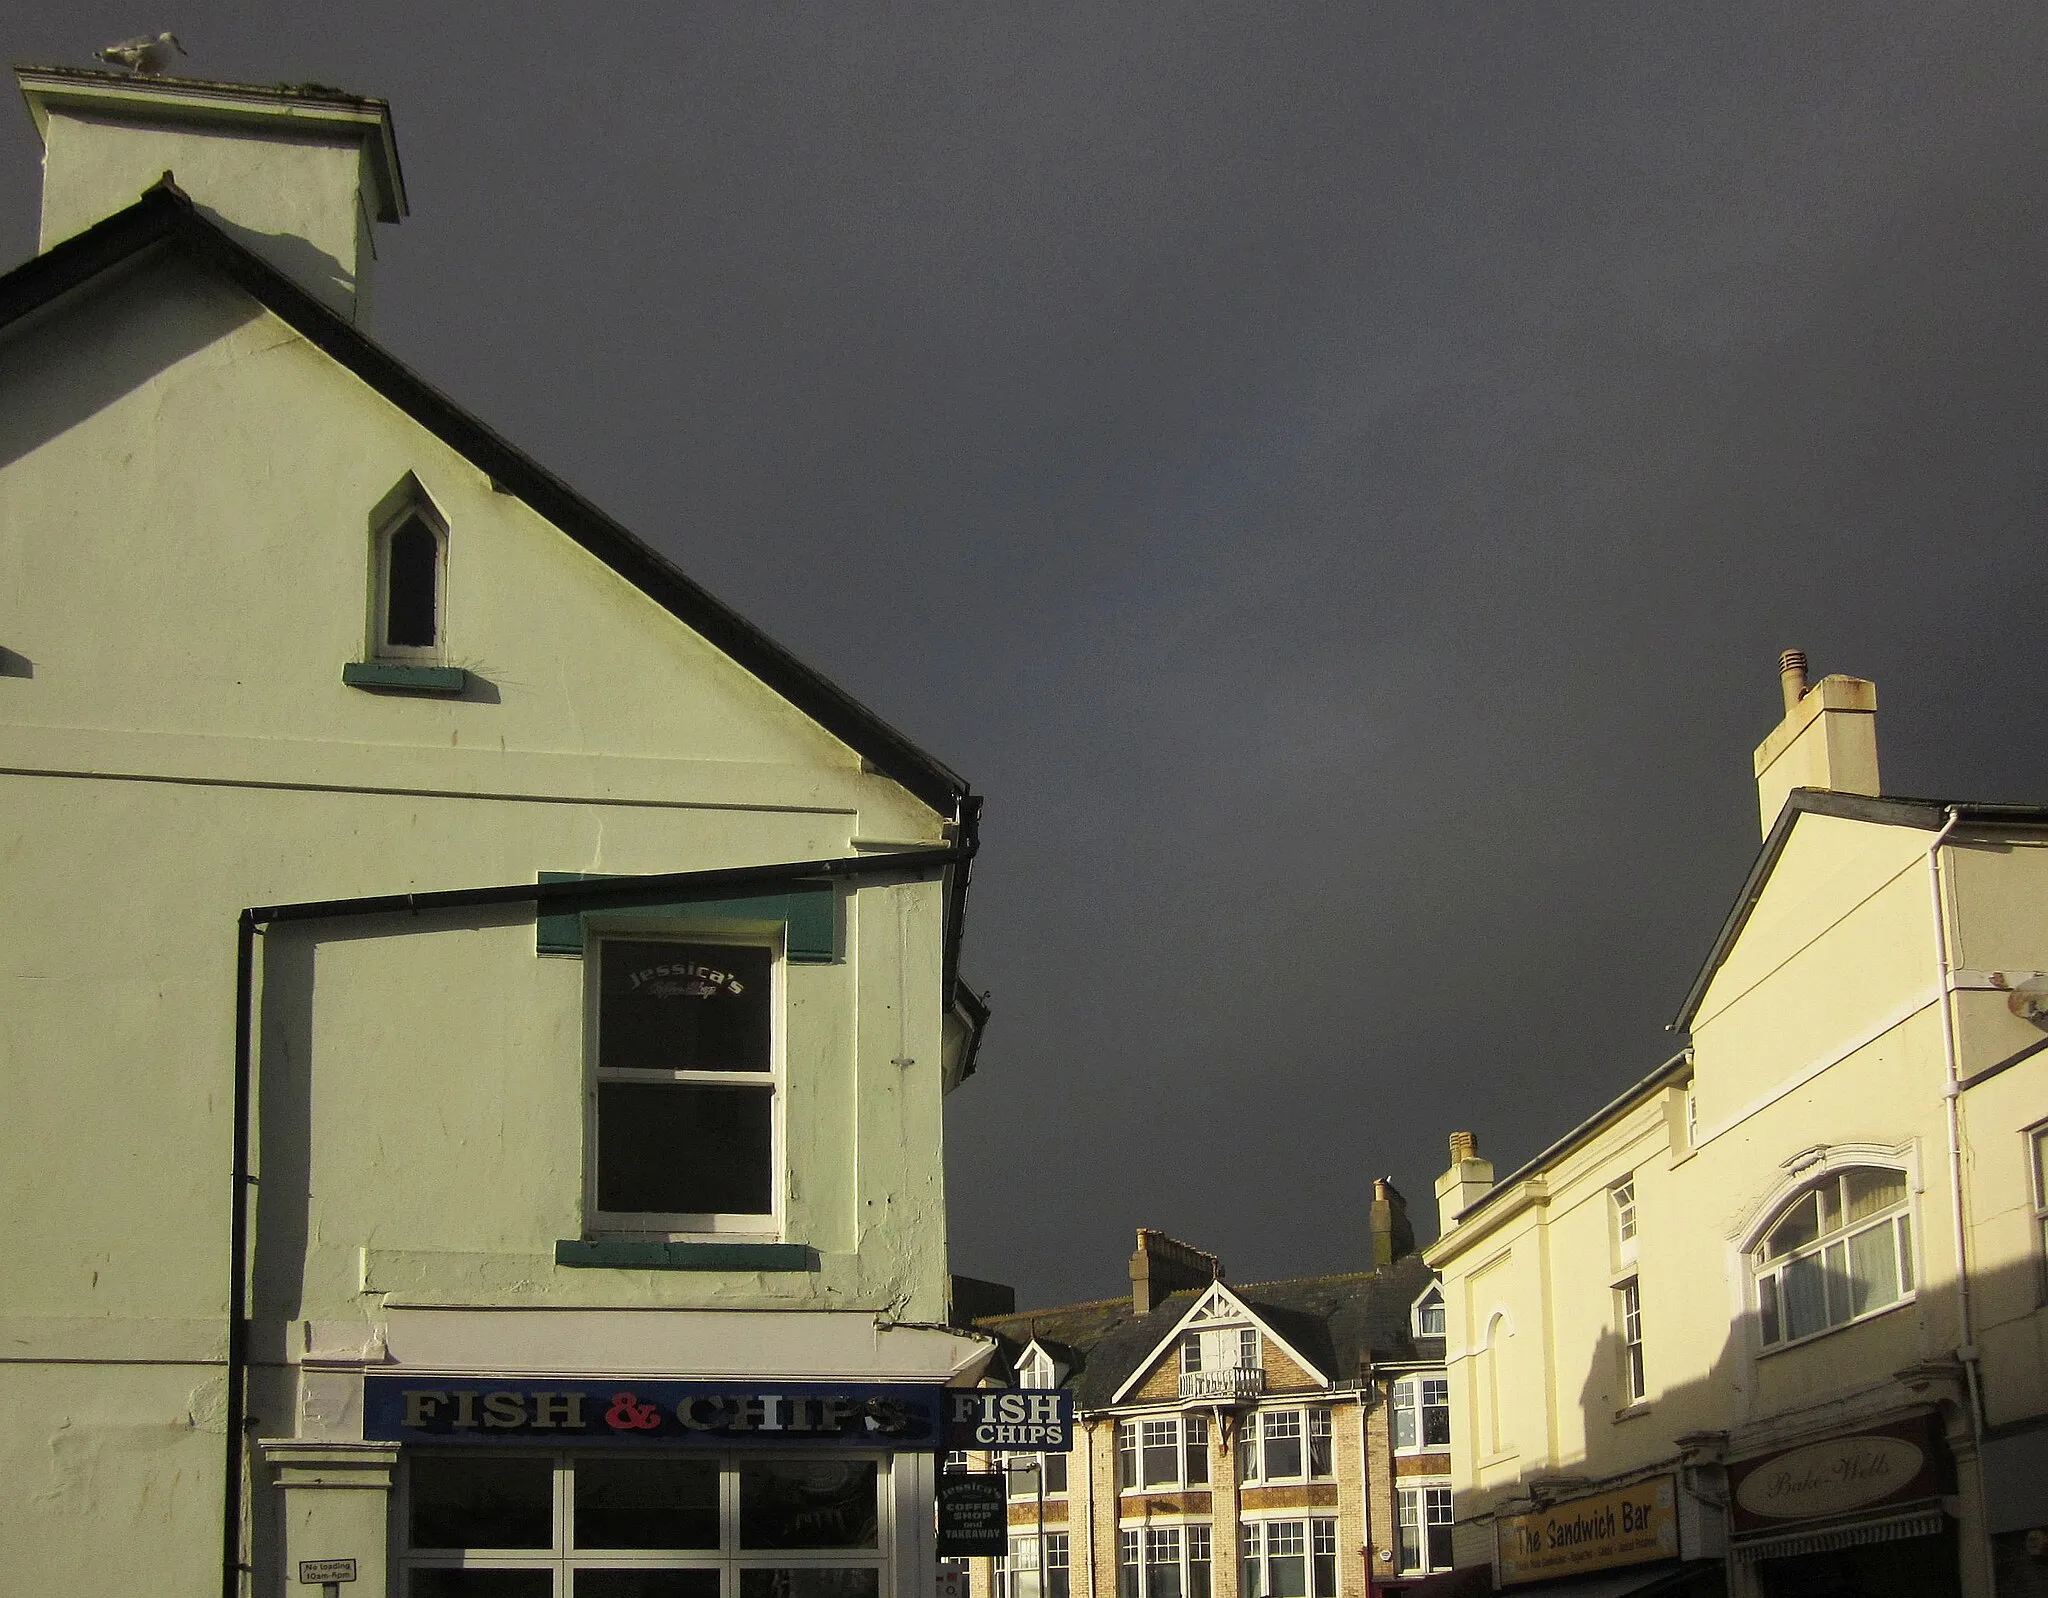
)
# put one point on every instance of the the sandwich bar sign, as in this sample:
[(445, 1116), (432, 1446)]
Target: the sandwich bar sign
[(624, 1412)]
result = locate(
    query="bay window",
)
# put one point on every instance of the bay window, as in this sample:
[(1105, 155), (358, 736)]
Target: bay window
[(1289, 1558), (1164, 1562), (1423, 1524), (1840, 1250), (1169, 1451), (1284, 1445), (1422, 1414)]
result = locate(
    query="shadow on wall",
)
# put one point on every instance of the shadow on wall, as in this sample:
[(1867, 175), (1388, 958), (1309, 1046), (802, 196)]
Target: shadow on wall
[(298, 1111), (299, 259), (143, 321), (1908, 1348)]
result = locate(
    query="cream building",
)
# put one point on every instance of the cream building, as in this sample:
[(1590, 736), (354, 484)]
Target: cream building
[(1773, 1319), (474, 1011)]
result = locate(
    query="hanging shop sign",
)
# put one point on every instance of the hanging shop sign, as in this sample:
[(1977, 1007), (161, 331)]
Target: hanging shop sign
[(974, 1516), (1631, 1525), (628, 1413), (1877, 1465), (1038, 1419)]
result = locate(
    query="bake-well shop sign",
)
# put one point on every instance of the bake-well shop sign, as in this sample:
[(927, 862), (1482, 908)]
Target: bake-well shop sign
[(624, 1411), (1893, 1463), (1630, 1525)]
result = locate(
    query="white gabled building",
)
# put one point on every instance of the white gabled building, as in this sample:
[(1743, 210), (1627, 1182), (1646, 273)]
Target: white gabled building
[(390, 1173)]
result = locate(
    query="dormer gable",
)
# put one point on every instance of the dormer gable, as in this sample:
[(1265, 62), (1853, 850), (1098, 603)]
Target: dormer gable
[(1220, 1347)]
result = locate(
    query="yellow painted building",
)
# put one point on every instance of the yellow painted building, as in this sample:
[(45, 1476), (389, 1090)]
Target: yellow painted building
[(474, 1011), (1787, 1290)]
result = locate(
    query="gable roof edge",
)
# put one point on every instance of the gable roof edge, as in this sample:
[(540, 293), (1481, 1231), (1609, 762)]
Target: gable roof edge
[(164, 216), (1249, 1311), (1928, 815)]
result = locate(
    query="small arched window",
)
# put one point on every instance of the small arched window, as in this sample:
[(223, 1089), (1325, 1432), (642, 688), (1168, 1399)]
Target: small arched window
[(1839, 1250), (409, 605)]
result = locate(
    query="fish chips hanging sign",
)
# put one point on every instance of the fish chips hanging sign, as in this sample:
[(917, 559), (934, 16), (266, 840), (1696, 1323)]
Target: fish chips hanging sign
[(1029, 1419)]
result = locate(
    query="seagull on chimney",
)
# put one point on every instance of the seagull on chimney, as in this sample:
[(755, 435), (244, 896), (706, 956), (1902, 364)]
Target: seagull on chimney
[(143, 56)]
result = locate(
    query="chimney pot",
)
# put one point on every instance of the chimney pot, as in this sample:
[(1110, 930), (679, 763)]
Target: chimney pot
[(1792, 677), (1464, 1146)]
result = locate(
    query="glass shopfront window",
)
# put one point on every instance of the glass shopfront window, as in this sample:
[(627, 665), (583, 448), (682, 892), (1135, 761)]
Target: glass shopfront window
[(486, 1525)]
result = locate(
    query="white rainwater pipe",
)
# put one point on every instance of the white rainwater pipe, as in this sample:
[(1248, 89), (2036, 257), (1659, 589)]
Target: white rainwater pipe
[(1952, 1098)]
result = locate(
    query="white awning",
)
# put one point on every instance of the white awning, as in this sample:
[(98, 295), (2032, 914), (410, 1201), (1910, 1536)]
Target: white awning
[(1923, 1521)]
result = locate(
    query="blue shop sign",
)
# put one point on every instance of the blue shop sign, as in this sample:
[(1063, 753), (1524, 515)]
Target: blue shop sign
[(628, 1413)]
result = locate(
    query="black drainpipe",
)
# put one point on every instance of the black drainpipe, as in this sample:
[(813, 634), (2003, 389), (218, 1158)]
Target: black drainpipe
[(606, 894)]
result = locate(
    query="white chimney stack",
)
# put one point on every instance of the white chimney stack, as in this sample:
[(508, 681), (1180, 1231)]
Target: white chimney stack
[(298, 175), (1828, 738)]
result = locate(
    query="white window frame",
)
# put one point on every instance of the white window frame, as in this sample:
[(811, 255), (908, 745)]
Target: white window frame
[(1018, 1575), (409, 503), (1219, 1348), (1318, 1534), (1022, 1471), (1411, 1396), (1432, 1300), (1766, 1288), (1416, 1503), (1134, 1578), (564, 1557), (1312, 1420), (1621, 1199), (1035, 1370), (1628, 1315), (682, 1226), (1131, 1449)]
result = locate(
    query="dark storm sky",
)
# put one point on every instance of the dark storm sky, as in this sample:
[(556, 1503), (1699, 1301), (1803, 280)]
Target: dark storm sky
[(1337, 477)]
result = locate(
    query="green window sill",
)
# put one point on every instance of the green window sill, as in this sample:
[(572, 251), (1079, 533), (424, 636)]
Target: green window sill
[(633, 1255), (393, 676)]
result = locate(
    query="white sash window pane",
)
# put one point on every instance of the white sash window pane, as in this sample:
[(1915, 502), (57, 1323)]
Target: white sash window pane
[(1280, 1445)]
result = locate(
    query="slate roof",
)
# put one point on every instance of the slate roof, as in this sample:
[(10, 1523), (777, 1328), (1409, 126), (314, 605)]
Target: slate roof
[(1341, 1324), (164, 220)]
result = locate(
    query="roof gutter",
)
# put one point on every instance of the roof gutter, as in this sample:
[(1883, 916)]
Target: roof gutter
[(669, 887), (1679, 1065)]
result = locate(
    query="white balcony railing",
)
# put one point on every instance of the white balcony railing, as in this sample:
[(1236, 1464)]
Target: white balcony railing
[(1235, 1381)]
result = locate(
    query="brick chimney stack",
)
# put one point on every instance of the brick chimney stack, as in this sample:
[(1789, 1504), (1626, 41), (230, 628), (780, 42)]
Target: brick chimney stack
[(1393, 1237), (1163, 1265)]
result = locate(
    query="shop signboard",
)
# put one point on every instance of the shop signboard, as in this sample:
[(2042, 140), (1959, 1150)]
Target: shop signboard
[(1038, 1420), (1630, 1525), (625, 1412), (1897, 1462), (974, 1515)]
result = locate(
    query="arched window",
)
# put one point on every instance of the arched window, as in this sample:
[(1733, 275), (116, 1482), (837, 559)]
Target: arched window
[(408, 602), (1841, 1249), (412, 587)]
